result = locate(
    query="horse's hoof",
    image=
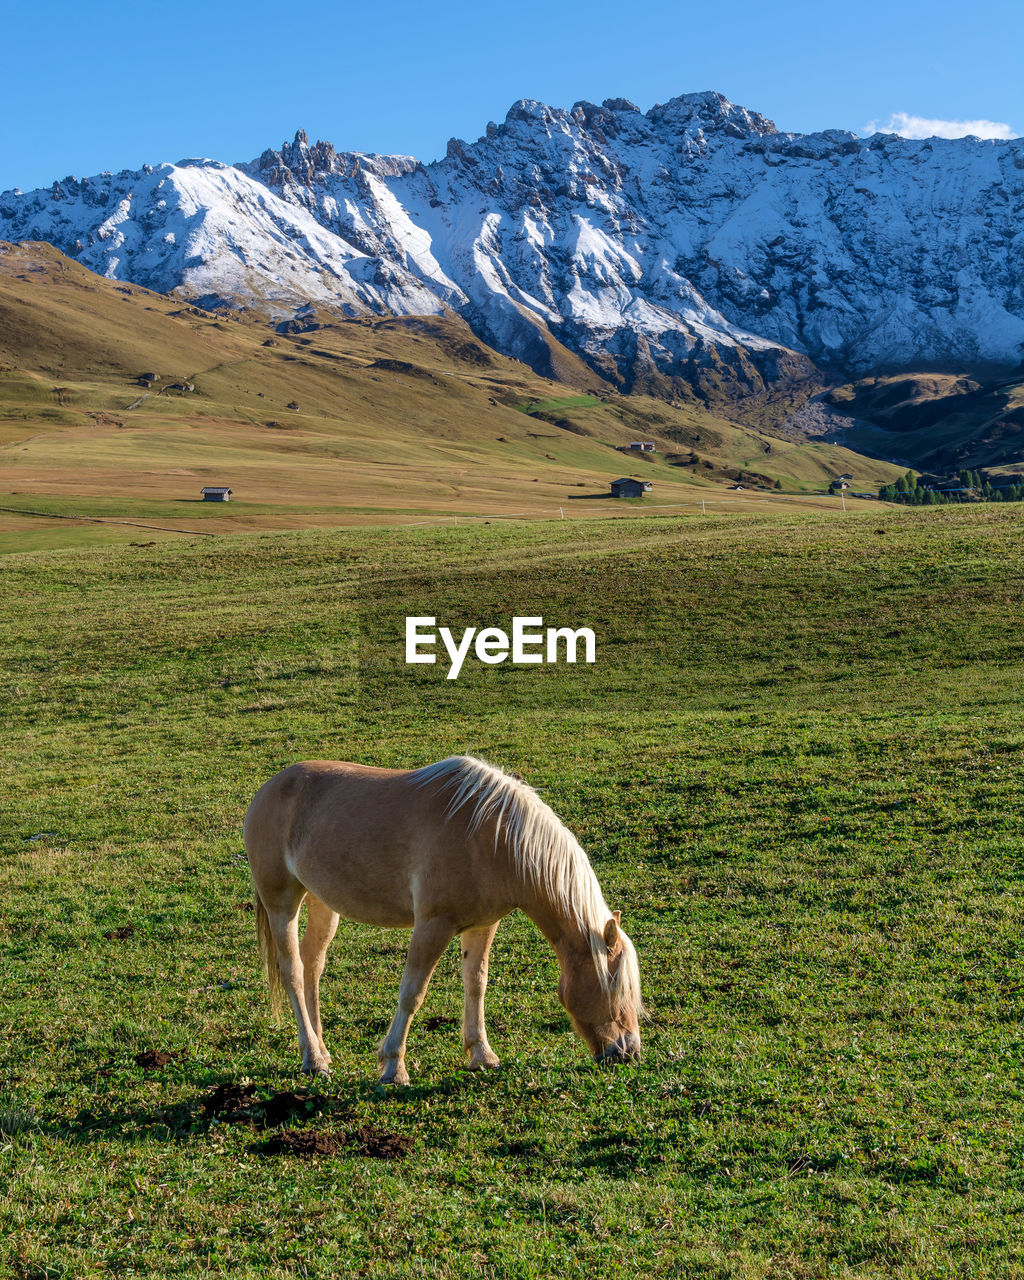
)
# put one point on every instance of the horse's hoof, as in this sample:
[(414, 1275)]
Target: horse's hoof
[(316, 1069), (398, 1076), (484, 1062)]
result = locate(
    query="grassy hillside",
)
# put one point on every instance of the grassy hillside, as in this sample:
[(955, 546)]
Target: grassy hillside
[(370, 420), (796, 766)]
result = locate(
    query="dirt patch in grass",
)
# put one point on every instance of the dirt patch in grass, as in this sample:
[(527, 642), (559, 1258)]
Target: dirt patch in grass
[(301, 1142), (230, 1102), (377, 1144), (241, 1104), (154, 1059), (439, 1020), (125, 931)]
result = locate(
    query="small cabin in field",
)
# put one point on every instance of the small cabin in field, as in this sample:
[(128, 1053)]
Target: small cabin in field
[(642, 446), (628, 488), (216, 493)]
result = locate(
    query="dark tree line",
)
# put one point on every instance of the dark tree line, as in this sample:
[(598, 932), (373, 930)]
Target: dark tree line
[(968, 486)]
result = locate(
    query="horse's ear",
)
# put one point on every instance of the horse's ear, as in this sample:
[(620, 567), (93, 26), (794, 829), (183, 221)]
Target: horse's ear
[(611, 931), (618, 917)]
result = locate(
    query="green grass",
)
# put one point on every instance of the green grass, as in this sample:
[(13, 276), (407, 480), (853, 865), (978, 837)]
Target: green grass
[(552, 404), (31, 534), (191, 507), (796, 767)]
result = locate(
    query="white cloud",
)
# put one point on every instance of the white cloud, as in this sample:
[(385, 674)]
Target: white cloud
[(908, 126)]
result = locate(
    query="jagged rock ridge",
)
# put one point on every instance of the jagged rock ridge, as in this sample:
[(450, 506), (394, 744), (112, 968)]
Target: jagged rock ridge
[(693, 243)]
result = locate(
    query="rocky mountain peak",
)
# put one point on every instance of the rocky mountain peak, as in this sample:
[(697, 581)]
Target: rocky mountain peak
[(691, 246), (620, 104), (710, 111), (297, 161)]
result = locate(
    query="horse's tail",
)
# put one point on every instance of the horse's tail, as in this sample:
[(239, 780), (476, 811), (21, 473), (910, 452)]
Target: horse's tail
[(268, 956)]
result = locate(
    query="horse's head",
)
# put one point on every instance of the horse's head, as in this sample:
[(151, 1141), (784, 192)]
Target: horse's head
[(600, 990)]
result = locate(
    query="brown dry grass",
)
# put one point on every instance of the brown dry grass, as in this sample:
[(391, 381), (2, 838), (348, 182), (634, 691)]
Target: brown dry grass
[(397, 420)]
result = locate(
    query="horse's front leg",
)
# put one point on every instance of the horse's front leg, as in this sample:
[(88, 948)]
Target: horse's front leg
[(476, 946), (429, 939)]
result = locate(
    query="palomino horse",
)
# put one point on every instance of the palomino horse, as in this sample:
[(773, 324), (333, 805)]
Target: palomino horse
[(448, 849)]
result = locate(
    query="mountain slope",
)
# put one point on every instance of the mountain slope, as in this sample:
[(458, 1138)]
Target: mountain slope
[(116, 401), (937, 422), (692, 251)]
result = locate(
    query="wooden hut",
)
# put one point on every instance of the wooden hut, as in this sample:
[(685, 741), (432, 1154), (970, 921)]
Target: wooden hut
[(216, 493), (629, 488)]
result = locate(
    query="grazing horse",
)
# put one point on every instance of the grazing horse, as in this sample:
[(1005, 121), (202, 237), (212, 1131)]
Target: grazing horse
[(448, 849)]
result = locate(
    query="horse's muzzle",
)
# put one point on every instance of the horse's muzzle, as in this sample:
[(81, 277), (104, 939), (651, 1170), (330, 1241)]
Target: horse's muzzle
[(625, 1049)]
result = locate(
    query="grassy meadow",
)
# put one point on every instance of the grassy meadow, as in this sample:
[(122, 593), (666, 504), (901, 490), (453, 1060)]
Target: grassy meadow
[(796, 768)]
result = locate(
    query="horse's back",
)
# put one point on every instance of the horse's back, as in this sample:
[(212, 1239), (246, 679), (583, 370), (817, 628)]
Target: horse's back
[(354, 835), (383, 846), (298, 790)]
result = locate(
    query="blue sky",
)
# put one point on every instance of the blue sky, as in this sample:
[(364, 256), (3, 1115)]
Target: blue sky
[(131, 84)]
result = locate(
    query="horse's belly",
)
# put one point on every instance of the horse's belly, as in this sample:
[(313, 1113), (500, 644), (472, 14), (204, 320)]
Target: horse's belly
[(376, 894), (372, 913)]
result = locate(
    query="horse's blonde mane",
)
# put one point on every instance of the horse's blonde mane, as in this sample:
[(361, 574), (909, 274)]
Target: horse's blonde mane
[(545, 853)]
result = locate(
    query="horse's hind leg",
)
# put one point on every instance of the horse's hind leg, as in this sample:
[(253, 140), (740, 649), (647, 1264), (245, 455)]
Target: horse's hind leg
[(321, 924), (283, 917), (476, 946), (429, 939)]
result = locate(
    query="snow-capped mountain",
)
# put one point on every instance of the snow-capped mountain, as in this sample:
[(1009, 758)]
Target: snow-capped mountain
[(689, 241)]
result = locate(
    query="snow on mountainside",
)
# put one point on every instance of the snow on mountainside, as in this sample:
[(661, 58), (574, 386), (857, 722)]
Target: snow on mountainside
[(692, 242)]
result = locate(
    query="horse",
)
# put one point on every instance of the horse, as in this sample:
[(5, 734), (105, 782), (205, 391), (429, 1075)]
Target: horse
[(451, 848)]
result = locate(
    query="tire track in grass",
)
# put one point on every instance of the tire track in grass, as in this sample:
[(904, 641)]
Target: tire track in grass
[(135, 524)]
